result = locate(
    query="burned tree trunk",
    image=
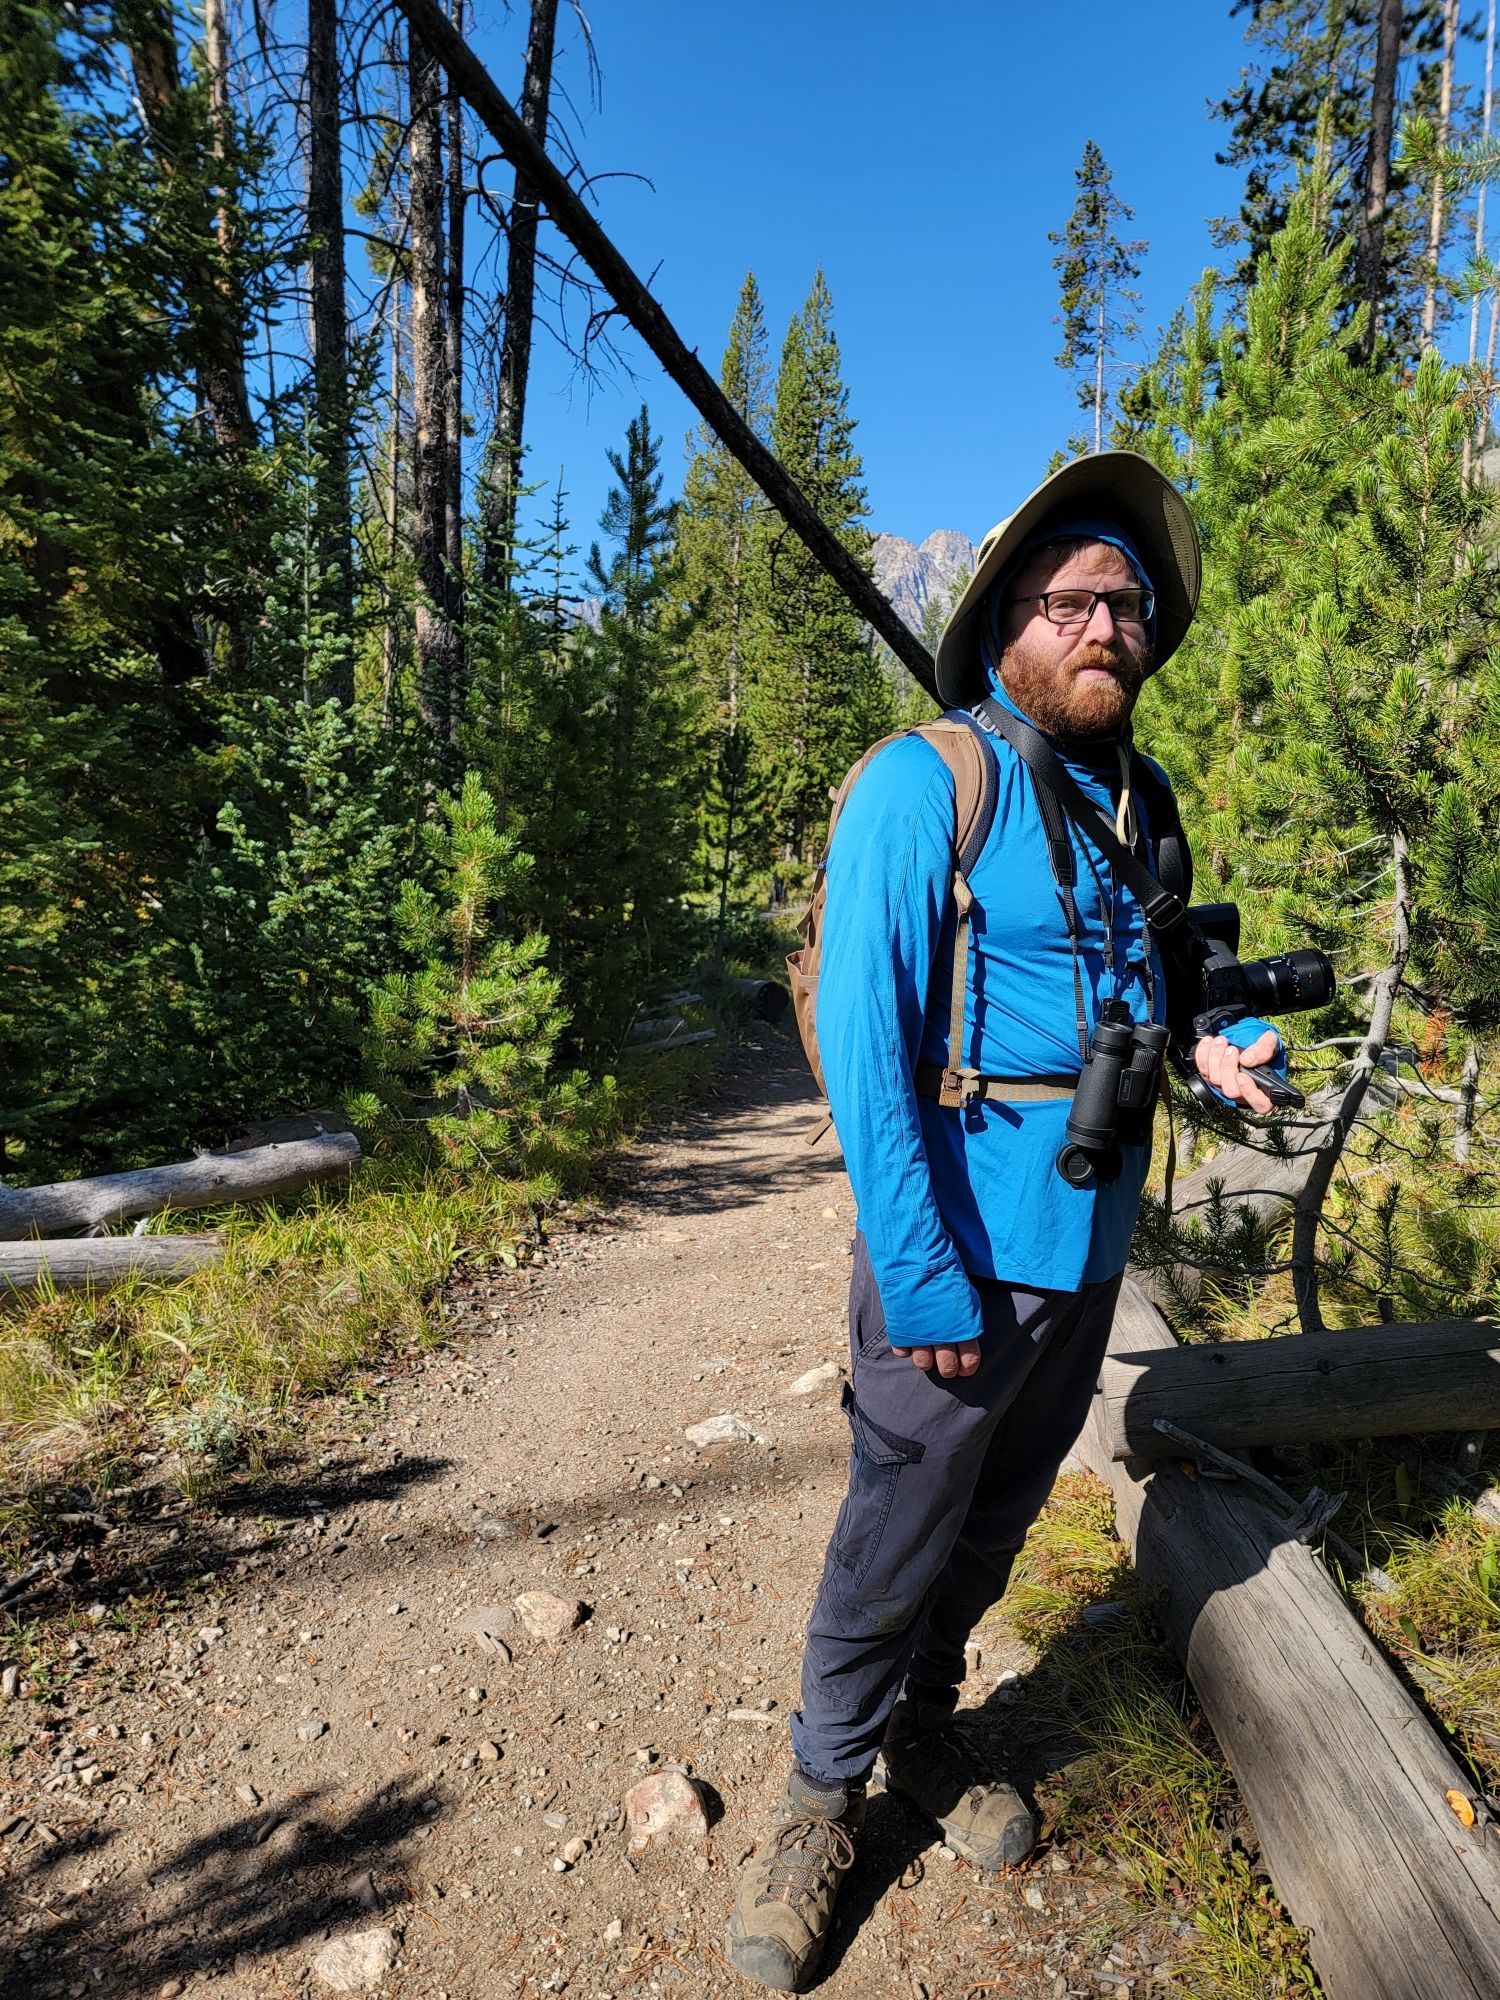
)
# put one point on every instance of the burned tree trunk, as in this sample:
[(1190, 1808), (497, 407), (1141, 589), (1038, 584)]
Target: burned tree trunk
[(439, 661), (325, 230), (453, 462), (1371, 259), (503, 472)]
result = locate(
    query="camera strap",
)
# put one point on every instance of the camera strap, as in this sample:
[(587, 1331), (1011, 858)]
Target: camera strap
[(1060, 798)]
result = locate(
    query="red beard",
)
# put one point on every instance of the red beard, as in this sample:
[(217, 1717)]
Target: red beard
[(1060, 702)]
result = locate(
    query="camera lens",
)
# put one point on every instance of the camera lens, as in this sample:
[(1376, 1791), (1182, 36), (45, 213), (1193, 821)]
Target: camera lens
[(1288, 983)]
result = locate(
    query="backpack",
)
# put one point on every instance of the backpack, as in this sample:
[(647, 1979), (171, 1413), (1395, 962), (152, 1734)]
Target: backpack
[(957, 741)]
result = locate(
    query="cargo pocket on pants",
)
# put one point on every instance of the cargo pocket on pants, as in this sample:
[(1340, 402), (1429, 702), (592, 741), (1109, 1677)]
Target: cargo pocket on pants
[(874, 1469)]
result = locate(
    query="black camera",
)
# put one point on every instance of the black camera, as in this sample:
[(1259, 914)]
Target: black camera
[(1208, 989), (1220, 989)]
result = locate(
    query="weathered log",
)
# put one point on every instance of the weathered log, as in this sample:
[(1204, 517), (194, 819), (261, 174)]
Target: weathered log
[(85, 1263), (568, 214), (1373, 1381), (1346, 1782), (257, 1174)]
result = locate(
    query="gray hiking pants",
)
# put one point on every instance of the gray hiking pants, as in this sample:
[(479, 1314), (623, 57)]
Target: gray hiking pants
[(945, 1477)]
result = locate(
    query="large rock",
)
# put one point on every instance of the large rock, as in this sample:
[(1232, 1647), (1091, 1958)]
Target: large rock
[(547, 1617), (355, 1963), (815, 1379), (665, 1803)]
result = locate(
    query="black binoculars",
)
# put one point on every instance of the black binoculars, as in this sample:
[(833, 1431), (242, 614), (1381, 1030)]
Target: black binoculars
[(1115, 1097)]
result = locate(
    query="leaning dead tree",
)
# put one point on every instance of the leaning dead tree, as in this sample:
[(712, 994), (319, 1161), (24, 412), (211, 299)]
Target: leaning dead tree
[(566, 212)]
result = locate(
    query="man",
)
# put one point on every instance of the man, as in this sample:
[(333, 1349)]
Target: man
[(983, 1282)]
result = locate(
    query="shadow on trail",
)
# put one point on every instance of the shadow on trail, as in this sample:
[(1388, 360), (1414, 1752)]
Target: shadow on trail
[(234, 1894)]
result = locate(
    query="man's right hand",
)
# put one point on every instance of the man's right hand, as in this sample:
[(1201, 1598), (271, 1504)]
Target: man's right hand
[(953, 1358)]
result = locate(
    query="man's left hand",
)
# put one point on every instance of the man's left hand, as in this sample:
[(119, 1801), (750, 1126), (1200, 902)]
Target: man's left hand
[(955, 1358), (1221, 1064)]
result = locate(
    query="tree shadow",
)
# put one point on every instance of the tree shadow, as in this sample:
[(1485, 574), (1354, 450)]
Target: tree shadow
[(255, 1884)]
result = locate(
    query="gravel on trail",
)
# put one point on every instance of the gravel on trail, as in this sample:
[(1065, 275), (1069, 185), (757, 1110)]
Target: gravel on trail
[(489, 1698)]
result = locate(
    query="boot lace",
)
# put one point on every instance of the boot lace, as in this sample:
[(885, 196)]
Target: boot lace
[(807, 1849)]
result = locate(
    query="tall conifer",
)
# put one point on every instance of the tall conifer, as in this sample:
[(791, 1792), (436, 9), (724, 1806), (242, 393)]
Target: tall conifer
[(1097, 269), (819, 692)]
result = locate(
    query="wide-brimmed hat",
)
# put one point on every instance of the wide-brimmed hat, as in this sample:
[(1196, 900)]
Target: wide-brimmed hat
[(1117, 486)]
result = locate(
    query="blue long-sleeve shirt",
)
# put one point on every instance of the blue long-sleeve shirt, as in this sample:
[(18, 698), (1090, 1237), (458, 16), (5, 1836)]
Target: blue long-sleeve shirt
[(945, 1193)]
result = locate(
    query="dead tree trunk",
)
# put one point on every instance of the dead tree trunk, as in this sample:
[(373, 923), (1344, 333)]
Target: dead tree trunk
[(1348, 1785), (438, 660), (1371, 259), (89, 1263), (503, 472), (1370, 1381), (212, 1180), (568, 214), (325, 230), (453, 462), (1435, 211)]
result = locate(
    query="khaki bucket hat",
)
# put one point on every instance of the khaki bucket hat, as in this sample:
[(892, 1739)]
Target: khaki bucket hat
[(1119, 486)]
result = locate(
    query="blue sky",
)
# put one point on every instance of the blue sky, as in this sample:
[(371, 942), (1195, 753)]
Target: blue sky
[(920, 155)]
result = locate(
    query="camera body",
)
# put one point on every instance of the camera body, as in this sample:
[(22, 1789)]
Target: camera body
[(1209, 988)]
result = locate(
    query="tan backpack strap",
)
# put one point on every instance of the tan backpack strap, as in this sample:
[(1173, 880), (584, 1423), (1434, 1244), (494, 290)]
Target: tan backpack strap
[(968, 763), (955, 1086)]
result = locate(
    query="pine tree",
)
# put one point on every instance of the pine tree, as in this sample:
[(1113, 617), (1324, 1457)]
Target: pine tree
[(1097, 269), (818, 690), (462, 1043), (720, 548), (1315, 61)]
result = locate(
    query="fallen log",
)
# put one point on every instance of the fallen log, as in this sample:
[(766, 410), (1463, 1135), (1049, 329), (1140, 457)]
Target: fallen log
[(259, 1173), (1348, 1785), (91, 1263), (1372, 1381)]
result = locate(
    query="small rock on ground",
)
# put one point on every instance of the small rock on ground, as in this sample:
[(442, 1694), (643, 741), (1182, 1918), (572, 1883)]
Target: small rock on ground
[(666, 1802), (547, 1617)]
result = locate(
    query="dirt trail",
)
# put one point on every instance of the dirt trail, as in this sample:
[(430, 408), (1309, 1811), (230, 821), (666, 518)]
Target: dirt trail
[(315, 1745)]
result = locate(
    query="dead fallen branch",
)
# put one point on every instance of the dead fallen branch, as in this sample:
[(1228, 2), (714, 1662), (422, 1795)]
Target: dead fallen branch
[(259, 1173), (86, 1263)]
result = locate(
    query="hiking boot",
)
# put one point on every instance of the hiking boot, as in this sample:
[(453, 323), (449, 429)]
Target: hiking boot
[(926, 1759), (785, 1900)]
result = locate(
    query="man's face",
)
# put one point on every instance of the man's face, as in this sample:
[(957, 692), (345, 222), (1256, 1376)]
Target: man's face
[(1081, 679)]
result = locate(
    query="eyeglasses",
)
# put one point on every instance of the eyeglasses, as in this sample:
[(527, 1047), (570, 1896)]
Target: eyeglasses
[(1076, 607)]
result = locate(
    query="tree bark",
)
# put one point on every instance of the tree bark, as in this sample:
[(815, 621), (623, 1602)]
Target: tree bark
[(438, 660), (325, 229), (1372, 1381), (1308, 1210), (1347, 1783), (90, 1263), (1371, 259), (453, 464), (568, 214), (390, 636), (215, 312), (503, 475), (212, 1180), (1435, 212)]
